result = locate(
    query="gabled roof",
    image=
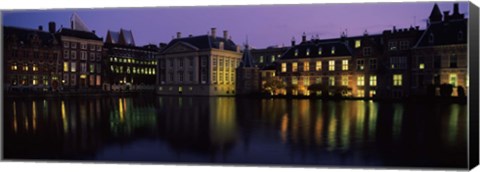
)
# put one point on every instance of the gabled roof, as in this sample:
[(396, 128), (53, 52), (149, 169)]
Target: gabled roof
[(435, 15), (78, 24), (247, 60), (79, 34), (204, 42), (24, 36), (341, 49), (124, 37), (112, 37), (444, 33)]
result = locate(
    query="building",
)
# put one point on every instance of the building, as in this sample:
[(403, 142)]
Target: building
[(326, 64), (248, 75), (267, 56), (81, 57), (129, 67), (198, 65), (31, 59), (440, 55)]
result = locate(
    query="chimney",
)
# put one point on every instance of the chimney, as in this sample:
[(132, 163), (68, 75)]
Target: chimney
[(214, 32), (51, 27), (179, 35), (40, 28), (225, 34), (293, 41), (445, 15), (455, 8), (190, 35), (304, 37)]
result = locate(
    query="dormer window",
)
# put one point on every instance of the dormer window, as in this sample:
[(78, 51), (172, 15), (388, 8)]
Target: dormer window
[(308, 51), (221, 45), (430, 38), (358, 43), (296, 52), (320, 51), (333, 50)]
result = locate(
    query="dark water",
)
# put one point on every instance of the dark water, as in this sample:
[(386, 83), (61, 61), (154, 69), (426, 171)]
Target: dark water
[(236, 130)]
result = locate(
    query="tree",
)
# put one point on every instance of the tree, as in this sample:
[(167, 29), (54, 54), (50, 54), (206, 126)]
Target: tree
[(446, 90), (273, 84)]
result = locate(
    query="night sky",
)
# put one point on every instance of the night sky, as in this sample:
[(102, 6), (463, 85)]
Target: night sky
[(264, 25)]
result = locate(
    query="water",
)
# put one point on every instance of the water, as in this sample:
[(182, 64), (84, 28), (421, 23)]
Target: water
[(236, 131)]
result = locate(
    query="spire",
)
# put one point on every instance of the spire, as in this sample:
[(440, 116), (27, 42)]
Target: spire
[(77, 23), (247, 57), (436, 15)]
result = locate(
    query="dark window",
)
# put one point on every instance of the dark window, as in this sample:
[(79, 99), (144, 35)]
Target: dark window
[(453, 61), (437, 61)]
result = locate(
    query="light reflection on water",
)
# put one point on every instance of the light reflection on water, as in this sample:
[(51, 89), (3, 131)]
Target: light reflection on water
[(236, 130)]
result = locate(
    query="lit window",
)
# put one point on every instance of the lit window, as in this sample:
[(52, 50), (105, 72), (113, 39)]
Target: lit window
[(372, 93), (361, 80), (373, 80), (284, 67), (344, 80), (294, 80), (397, 80), (294, 67), (358, 43), (421, 66), (318, 65), (73, 67), (320, 51), (333, 50), (306, 66), (453, 79), (14, 66), (318, 80), (331, 65), (25, 67), (35, 80), (331, 81), (273, 58), (261, 59), (65, 66), (296, 52), (35, 67), (92, 68), (308, 51), (344, 64), (360, 93), (306, 81)]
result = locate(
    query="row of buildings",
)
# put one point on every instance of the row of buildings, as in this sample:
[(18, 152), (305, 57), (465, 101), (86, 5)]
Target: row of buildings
[(75, 59), (395, 63)]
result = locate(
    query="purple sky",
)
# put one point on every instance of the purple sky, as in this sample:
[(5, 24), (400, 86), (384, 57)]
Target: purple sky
[(265, 25)]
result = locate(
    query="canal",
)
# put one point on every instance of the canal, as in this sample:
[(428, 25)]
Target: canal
[(203, 130)]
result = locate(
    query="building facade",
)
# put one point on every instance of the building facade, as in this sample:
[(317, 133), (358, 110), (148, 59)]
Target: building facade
[(198, 65), (248, 75), (129, 67), (267, 56), (31, 59)]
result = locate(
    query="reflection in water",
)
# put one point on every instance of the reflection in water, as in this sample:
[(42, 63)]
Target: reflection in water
[(234, 130)]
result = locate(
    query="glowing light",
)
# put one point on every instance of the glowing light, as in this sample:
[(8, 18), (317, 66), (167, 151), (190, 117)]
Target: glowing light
[(64, 118), (421, 66), (34, 115), (397, 80), (15, 123), (284, 128)]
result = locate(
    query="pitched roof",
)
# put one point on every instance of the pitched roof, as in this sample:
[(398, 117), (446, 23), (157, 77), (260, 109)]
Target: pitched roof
[(24, 36), (79, 34), (341, 49), (444, 33), (112, 37), (124, 37), (78, 24), (204, 42), (247, 60)]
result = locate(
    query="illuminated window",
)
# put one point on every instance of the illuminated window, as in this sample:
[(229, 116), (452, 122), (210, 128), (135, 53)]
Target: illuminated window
[(25, 67), (397, 80), (333, 50), (296, 52), (331, 81), (306, 81), (294, 67), (344, 80), (320, 51), (344, 64), (308, 52), (453, 79), (35, 67), (306, 66), (273, 58), (294, 80), (35, 80), (358, 43), (261, 59), (361, 80), (373, 93), (318, 65), (421, 66), (73, 67), (14, 66), (373, 80), (92, 68), (65, 66), (284, 67), (331, 65), (318, 80), (214, 77), (360, 93)]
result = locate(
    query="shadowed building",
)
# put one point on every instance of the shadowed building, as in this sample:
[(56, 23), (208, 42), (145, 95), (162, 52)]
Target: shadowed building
[(248, 81), (267, 56), (81, 57), (440, 55), (129, 67), (198, 65), (31, 59)]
